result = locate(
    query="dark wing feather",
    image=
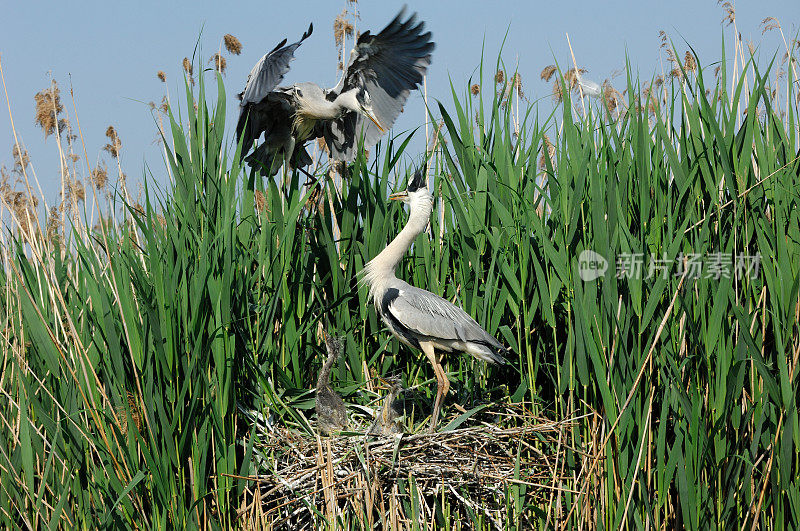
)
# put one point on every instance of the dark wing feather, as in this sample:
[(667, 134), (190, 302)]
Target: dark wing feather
[(388, 66), (267, 73)]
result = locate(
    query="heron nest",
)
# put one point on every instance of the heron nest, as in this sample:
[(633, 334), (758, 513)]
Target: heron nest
[(513, 469)]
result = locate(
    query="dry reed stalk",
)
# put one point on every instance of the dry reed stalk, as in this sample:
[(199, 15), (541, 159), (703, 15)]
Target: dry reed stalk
[(577, 70)]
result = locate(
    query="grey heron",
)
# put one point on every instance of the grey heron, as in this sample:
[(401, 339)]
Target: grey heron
[(386, 422), (417, 317), (379, 76), (330, 408)]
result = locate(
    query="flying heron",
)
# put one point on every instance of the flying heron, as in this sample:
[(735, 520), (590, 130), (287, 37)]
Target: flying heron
[(331, 413), (380, 74), (415, 316)]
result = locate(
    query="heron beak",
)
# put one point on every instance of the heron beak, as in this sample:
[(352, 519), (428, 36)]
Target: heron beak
[(369, 114), (399, 196)]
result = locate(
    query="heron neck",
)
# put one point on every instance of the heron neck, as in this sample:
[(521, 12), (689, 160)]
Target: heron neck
[(383, 265), (347, 100), (325, 372)]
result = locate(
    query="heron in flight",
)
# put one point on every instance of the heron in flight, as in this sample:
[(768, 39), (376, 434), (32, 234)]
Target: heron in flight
[(415, 316), (382, 71)]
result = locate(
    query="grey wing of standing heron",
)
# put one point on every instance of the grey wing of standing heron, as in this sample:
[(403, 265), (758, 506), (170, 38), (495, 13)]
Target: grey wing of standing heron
[(384, 69)]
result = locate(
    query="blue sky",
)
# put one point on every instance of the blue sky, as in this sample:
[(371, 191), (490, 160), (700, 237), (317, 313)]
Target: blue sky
[(111, 51)]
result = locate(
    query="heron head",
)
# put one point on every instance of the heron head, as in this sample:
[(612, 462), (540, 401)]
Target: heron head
[(417, 189), (365, 108)]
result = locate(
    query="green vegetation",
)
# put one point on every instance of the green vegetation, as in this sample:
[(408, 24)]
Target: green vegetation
[(137, 354)]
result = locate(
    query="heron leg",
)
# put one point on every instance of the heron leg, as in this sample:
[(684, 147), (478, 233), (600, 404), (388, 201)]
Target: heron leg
[(442, 383), (288, 151)]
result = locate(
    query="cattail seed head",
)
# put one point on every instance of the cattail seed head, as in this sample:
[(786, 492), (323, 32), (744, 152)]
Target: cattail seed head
[(48, 107), (689, 62), (21, 158), (115, 144), (547, 72), (220, 64), (342, 27), (232, 44), (475, 89), (162, 76), (99, 177), (499, 77), (259, 202)]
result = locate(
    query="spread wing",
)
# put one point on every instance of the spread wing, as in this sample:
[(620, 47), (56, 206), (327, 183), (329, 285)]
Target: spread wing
[(267, 73), (387, 66)]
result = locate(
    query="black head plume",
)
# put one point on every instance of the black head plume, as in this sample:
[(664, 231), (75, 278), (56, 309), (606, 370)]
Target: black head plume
[(417, 181)]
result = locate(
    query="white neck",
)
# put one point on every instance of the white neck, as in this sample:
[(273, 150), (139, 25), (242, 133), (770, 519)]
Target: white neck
[(381, 268), (348, 100)]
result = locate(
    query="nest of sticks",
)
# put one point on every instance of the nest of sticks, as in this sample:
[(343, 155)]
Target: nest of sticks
[(476, 471)]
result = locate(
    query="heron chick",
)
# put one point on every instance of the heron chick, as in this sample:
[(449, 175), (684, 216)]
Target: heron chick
[(387, 421), (330, 408), (382, 71), (417, 317)]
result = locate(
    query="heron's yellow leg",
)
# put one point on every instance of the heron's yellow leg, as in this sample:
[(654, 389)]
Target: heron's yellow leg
[(442, 383)]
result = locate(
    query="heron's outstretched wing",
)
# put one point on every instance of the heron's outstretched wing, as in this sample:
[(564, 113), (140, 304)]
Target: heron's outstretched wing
[(263, 78), (430, 316), (388, 66)]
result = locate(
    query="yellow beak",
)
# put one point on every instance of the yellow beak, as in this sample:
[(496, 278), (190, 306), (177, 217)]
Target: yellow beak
[(399, 196), (371, 116)]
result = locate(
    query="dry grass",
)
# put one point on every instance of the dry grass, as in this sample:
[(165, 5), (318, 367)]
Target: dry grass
[(472, 469)]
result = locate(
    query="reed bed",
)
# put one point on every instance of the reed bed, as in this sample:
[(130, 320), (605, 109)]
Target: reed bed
[(667, 395)]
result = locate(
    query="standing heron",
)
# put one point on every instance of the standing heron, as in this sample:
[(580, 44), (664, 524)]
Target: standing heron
[(415, 316), (382, 71)]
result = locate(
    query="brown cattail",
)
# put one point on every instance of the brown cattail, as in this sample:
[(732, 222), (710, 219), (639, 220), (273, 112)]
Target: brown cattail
[(557, 91), (730, 13), (53, 226), (164, 107), (499, 77), (516, 82), (548, 150), (115, 144), (162, 76), (573, 75), (689, 62), (219, 62), (21, 158), (475, 89), (769, 24), (48, 107), (99, 177), (547, 72), (260, 202), (342, 27), (662, 36), (232, 44), (187, 66)]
